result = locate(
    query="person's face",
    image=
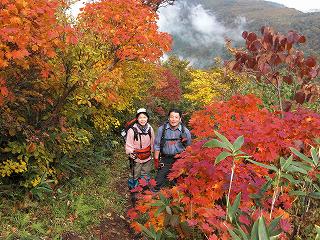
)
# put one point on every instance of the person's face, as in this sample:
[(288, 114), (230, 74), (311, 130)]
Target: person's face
[(174, 119), (142, 119)]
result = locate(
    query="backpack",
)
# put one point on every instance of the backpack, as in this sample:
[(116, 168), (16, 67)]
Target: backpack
[(127, 126), (183, 137)]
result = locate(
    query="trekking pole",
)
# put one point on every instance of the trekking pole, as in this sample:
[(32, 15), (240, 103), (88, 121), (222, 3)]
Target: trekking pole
[(132, 194)]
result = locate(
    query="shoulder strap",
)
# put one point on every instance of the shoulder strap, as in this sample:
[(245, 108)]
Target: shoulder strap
[(149, 132), (183, 128), (162, 140), (135, 133)]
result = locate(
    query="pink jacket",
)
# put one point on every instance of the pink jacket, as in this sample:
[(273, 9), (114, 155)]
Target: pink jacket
[(132, 145)]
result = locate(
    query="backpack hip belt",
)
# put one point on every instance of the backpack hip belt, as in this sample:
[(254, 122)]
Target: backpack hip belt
[(143, 153)]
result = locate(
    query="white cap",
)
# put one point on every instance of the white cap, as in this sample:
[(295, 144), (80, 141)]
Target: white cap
[(141, 110)]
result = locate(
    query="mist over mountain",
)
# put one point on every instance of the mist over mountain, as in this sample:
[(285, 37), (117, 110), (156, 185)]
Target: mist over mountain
[(199, 27)]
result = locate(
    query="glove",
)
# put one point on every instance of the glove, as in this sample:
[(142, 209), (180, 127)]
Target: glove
[(156, 163)]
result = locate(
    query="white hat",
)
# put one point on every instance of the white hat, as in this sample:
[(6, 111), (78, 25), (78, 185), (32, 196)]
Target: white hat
[(142, 110)]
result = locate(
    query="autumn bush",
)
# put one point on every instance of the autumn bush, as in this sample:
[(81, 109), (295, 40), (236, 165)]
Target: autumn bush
[(66, 86), (198, 200)]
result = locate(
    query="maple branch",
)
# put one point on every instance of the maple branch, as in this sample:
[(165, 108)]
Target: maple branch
[(113, 64), (59, 104), (67, 91)]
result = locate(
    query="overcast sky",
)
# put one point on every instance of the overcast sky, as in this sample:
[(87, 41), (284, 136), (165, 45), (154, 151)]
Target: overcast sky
[(302, 5)]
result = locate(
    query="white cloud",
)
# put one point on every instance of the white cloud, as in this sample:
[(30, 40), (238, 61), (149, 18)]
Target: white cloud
[(75, 8), (196, 25), (304, 6)]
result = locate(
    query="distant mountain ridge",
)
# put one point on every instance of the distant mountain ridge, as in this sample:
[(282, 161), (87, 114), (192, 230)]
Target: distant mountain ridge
[(256, 13)]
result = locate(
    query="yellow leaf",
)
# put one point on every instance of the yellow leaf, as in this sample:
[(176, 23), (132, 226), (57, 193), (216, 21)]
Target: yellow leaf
[(35, 48)]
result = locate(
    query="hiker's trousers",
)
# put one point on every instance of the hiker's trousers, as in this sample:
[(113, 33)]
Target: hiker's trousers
[(162, 174), (138, 170)]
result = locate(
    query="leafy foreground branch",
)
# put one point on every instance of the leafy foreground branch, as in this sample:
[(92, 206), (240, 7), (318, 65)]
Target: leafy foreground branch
[(301, 176), (231, 187)]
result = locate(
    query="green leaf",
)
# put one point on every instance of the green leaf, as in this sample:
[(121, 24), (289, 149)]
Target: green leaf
[(315, 156), (158, 235), (273, 225), (300, 155), (316, 187), (255, 196), (287, 164), (238, 143), (254, 231), (302, 165), (162, 198), (157, 204), (298, 193), (294, 168), (234, 208), (147, 231), (290, 178), (266, 186), (270, 167), (318, 232), (282, 161), (44, 188), (315, 195), (222, 156), (169, 235), (214, 143), (174, 220), (186, 228), (262, 229), (224, 140), (233, 235), (240, 232), (160, 210)]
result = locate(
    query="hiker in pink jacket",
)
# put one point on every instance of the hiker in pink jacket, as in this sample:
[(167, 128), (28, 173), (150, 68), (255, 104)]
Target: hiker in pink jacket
[(139, 146)]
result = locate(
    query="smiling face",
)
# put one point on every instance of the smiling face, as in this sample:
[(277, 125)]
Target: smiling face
[(142, 119), (174, 119)]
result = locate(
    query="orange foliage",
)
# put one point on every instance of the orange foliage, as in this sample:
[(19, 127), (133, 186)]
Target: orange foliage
[(129, 26), (202, 185), (29, 34)]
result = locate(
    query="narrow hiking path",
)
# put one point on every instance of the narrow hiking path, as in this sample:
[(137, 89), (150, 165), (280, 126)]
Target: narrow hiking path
[(116, 225), (113, 223)]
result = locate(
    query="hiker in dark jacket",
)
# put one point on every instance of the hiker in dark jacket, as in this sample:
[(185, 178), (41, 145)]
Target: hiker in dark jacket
[(172, 138)]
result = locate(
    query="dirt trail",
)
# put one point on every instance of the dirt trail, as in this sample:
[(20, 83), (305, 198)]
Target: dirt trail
[(113, 226)]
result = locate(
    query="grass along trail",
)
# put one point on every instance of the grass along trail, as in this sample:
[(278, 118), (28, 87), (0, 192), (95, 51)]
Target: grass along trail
[(91, 205)]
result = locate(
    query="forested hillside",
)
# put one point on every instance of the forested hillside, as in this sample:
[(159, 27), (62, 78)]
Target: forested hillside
[(233, 15)]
